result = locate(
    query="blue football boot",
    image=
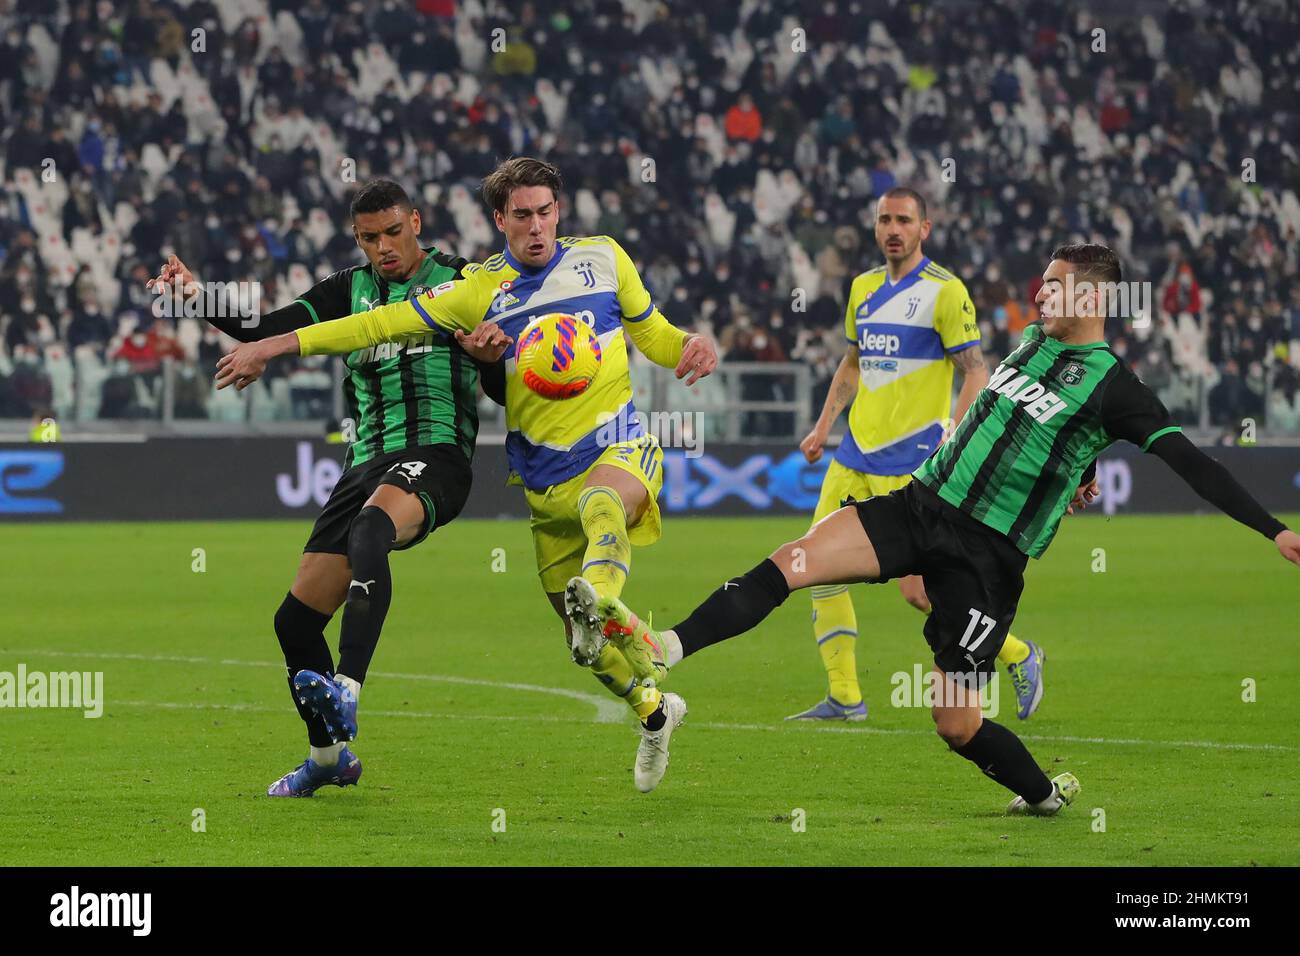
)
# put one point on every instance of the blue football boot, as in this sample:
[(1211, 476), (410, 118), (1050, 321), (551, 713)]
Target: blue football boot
[(333, 702), (1027, 679), (832, 709), (311, 776)]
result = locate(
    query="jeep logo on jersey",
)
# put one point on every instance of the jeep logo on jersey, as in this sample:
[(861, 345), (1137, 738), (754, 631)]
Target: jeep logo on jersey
[(878, 342), (1072, 374), (1040, 404)]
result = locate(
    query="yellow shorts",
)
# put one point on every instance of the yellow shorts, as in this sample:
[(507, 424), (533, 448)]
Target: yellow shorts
[(841, 482), (558, 538)]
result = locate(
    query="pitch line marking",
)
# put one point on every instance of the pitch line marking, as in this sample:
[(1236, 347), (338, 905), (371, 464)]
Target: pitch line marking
[(715, 725), (608, 710)]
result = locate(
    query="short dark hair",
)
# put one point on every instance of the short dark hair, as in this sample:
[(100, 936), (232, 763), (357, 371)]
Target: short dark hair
[(906, 192), (377, 195), (1097, 263), (515, 172)]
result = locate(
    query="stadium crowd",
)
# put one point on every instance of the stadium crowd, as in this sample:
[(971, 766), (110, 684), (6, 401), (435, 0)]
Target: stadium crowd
[(732, 148)]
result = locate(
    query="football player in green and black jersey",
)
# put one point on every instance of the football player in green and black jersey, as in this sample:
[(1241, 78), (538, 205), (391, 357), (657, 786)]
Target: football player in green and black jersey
[(986, 501), (406, 473)]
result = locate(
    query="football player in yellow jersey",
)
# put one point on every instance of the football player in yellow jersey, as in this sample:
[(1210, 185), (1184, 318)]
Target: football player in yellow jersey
[(590, 473), (909, 324)]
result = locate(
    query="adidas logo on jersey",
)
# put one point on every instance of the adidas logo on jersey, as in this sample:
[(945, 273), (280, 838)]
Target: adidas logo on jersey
[(1040, 403)]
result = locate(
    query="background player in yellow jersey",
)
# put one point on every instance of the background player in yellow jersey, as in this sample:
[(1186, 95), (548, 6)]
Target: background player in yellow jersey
[(909, 323), (590, 473)]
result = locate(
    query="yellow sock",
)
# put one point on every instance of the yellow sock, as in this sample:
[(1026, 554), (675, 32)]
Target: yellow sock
[(1014, 650), (836, 628), (644, 701), (612, 670), (608, 553)]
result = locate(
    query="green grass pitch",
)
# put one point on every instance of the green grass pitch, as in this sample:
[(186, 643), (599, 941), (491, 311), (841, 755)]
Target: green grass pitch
[(473, 707)]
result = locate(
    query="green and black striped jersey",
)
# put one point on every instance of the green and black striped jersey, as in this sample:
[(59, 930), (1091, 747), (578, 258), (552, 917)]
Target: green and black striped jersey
[(421, 391), (1048, 410)]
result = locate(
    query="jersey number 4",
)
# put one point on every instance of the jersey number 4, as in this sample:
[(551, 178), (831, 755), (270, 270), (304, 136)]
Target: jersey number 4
[(410, 470)]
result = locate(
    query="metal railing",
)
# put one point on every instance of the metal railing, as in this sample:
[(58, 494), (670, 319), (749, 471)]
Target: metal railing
[(742, 402)]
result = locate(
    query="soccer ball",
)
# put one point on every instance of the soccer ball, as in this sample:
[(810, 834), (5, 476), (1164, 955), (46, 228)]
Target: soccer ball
[(558, 356)]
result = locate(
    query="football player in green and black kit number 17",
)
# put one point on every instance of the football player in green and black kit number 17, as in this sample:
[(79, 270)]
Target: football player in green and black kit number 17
[(986, 501)]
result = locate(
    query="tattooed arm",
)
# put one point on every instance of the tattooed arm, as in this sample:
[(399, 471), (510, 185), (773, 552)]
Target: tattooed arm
[(843, 387), (974, 376)]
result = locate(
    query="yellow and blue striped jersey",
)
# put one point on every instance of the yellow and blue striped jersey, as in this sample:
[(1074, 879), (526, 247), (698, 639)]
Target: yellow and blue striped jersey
[(548, 441), (904, 332)]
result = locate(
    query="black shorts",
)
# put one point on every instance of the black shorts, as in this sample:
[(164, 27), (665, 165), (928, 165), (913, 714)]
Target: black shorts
[(973, 575), (439, 474)]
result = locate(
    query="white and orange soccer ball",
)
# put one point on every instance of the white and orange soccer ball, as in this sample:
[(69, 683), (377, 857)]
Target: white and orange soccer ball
[(558, 355)]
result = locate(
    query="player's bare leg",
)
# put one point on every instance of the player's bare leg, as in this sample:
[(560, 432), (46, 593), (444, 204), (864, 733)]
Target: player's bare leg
[(957, 713), (912, 587), (321, 581)]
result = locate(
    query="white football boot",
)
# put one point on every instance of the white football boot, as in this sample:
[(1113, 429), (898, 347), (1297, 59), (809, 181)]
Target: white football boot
[(1065, 787), (652, 752)]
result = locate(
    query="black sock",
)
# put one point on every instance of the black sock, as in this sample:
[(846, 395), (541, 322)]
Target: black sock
[(301, 631), (1004, 759), (734, 608), (369, 541)]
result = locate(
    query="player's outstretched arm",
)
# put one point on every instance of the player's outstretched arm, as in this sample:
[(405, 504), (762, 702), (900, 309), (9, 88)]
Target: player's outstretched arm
[(246, 364), (691, 355), (323, 301), (843, 387), (1215, 484)]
